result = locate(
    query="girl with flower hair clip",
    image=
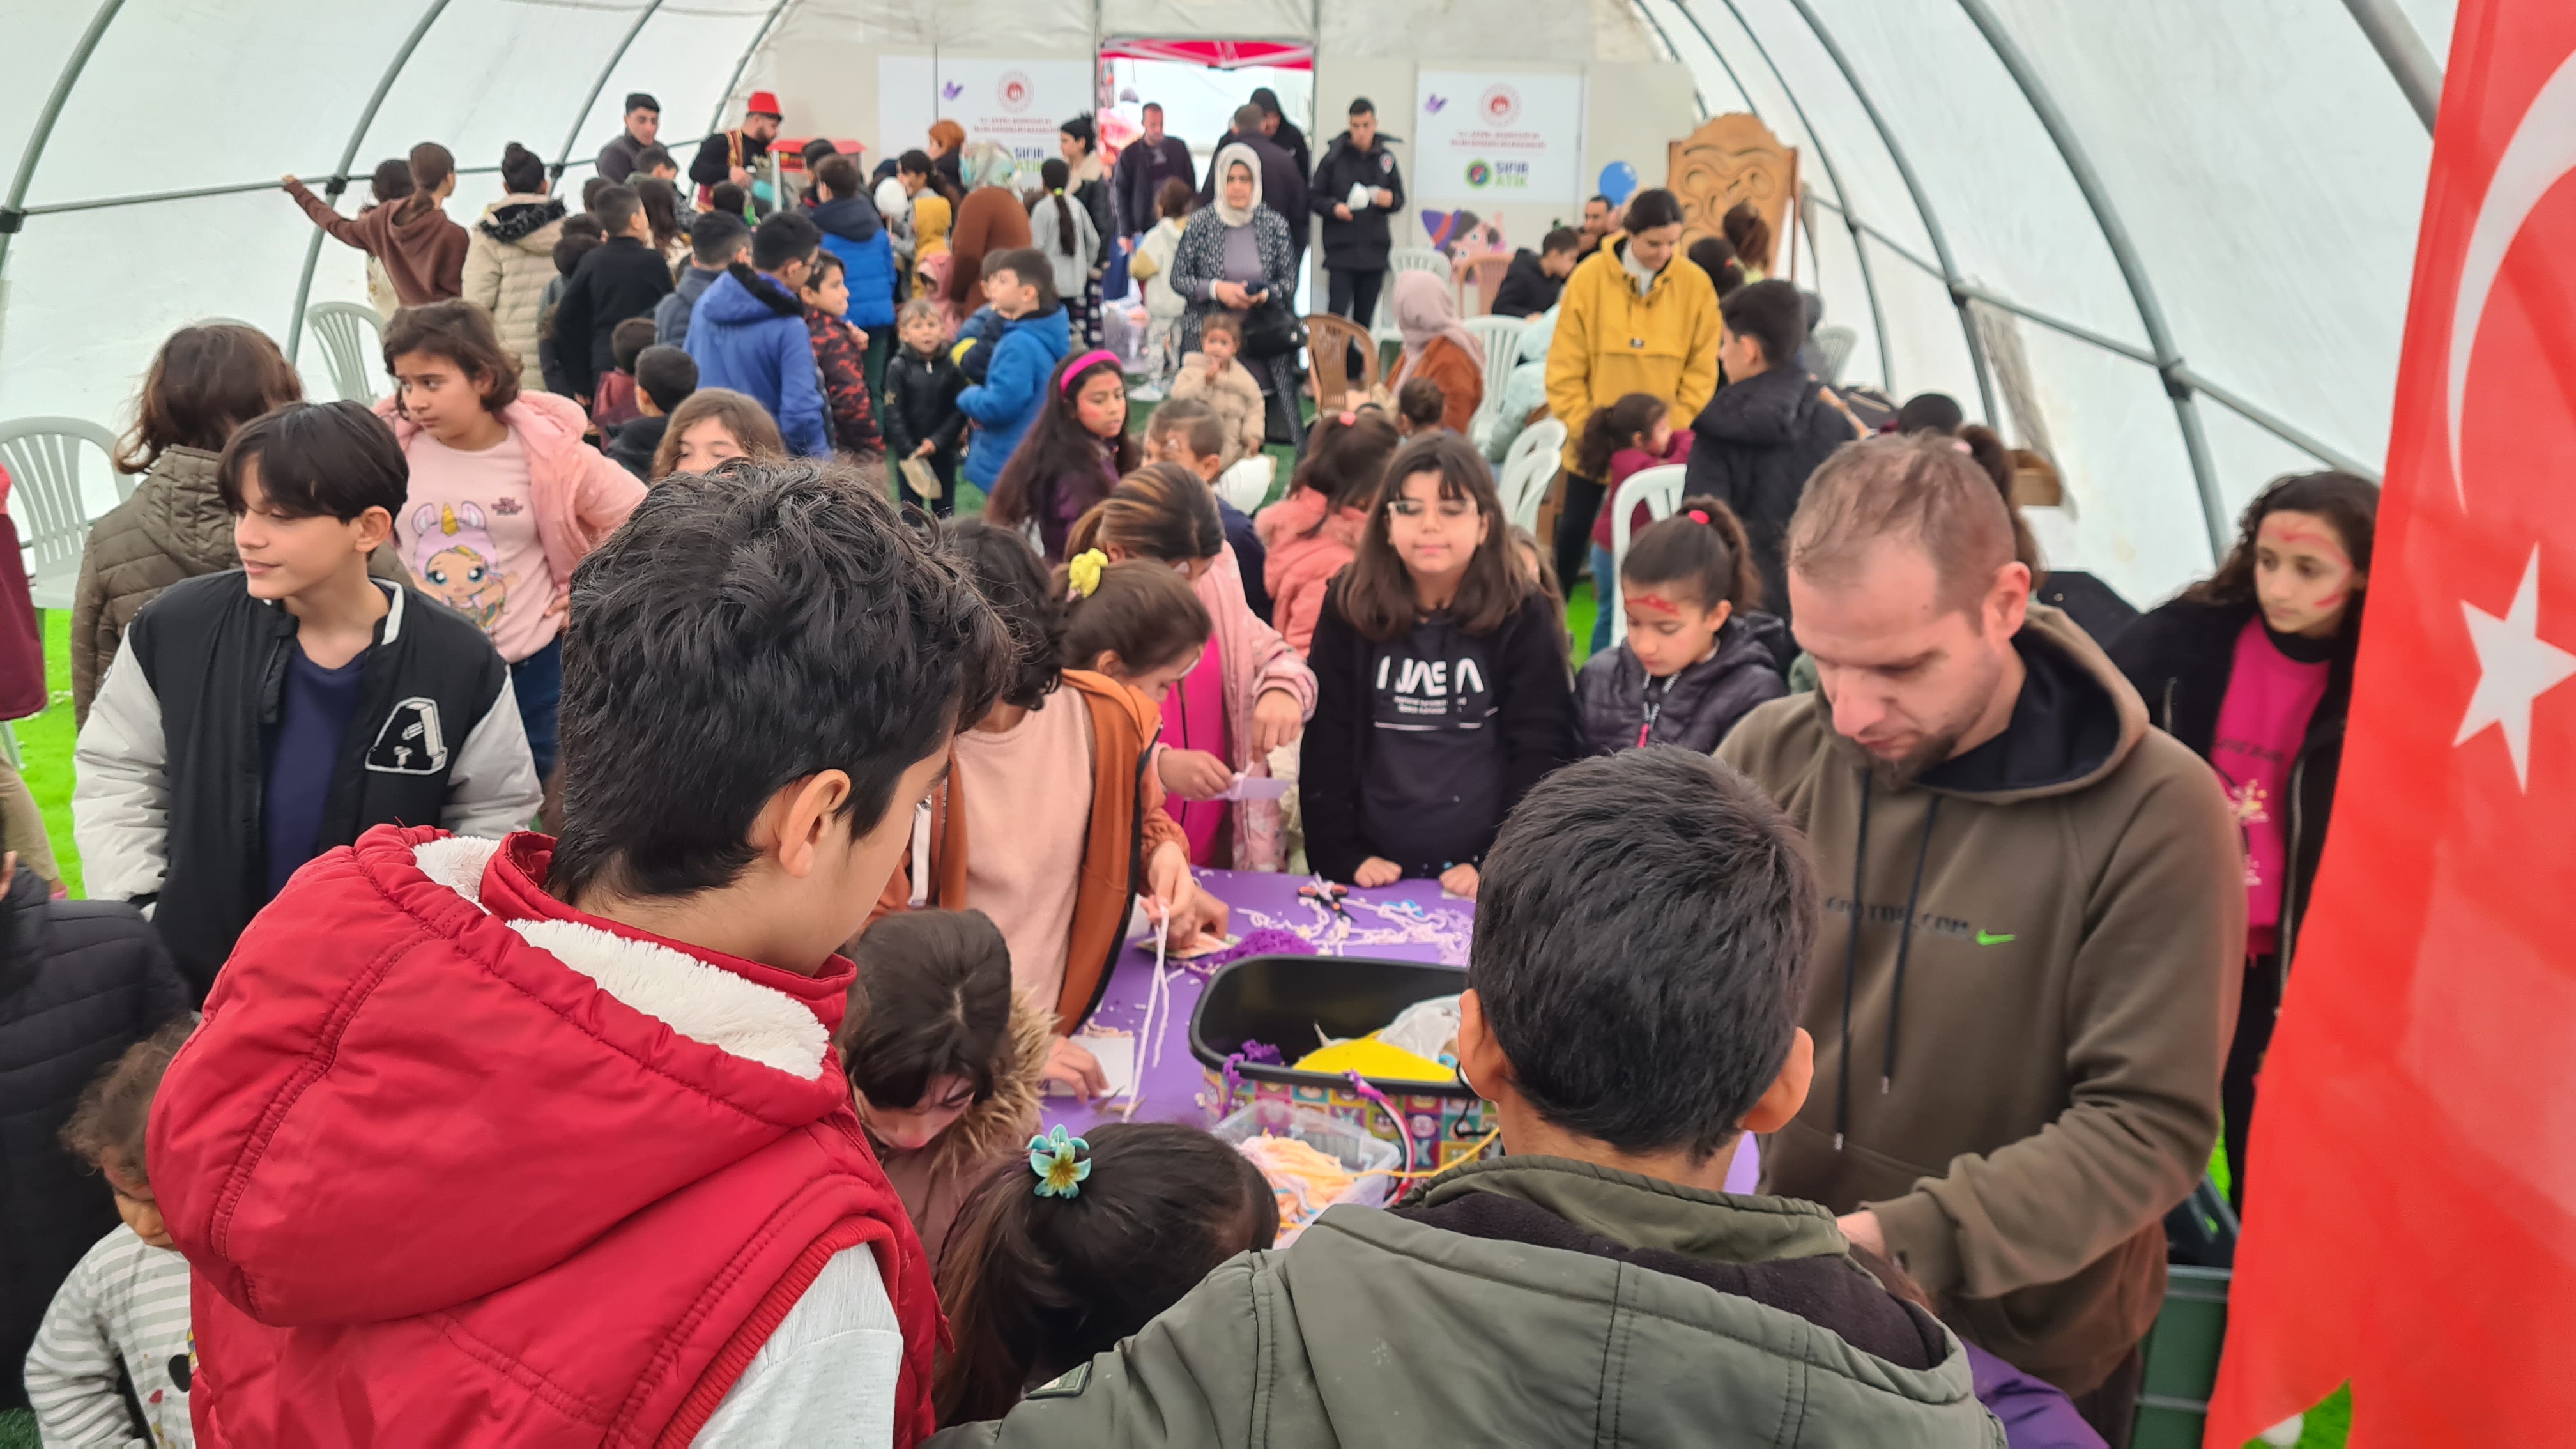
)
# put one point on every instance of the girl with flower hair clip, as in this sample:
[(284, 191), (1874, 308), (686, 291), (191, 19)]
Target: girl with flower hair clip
[(1058, 1256)]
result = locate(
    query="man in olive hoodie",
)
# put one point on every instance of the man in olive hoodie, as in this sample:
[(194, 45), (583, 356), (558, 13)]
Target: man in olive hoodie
[(1642, 933), (2020, 1024)]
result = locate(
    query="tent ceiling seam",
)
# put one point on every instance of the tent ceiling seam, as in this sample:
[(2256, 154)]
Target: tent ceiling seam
[(2133, 271)]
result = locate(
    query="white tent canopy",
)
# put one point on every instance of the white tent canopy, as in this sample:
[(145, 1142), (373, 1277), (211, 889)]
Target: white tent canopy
[(2167, 243)]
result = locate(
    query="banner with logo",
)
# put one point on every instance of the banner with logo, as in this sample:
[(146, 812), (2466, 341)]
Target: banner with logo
[(1018, 103), (2411, 1199), (1497, 137)]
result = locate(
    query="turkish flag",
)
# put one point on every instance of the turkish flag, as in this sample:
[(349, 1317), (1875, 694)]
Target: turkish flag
[(2412, 1221)]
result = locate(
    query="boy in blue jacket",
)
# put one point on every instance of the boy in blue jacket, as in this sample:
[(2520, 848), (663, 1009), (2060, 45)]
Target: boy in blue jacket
[(1020, 285), (854, 232), (748, 332)]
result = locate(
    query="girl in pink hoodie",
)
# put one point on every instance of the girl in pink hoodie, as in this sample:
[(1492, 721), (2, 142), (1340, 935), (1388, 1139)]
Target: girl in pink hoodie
[(1310, 534), (1248, 694), (505, 496)]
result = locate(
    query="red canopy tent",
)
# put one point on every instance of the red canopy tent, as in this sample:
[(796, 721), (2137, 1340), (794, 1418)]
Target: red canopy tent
[(1214, 54)]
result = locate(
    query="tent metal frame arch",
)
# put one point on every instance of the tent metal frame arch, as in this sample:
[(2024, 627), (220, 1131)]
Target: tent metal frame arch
[(339, 181), (1824, 154), (2133, 268), (2390, 33)]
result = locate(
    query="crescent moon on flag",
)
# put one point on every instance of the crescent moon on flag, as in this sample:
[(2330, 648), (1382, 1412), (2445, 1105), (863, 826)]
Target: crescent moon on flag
[(2542, 149)]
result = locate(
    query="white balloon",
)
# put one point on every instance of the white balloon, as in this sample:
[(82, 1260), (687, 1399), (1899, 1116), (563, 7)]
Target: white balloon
[(2542, 149)]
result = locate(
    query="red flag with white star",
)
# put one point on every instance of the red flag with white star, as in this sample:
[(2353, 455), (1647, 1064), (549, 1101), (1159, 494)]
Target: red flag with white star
[(2412, 1224)]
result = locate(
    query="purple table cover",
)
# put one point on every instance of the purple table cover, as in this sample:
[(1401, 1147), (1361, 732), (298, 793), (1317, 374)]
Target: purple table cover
[(1408, 921)]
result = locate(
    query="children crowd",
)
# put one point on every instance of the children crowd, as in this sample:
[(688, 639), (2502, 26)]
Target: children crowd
[(640, 631)]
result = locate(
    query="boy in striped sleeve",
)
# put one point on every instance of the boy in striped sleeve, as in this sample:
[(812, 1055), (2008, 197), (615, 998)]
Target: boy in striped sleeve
[(127, 1301)]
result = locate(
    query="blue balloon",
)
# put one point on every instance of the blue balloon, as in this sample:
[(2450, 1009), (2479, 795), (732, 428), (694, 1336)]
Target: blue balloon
[(1618, 182)]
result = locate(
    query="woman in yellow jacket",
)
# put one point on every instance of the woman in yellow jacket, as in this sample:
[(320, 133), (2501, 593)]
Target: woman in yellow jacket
[(1636, 316)]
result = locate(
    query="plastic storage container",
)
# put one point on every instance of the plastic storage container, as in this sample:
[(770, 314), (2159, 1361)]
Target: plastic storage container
[(1285, 1000), (1356, 1150)]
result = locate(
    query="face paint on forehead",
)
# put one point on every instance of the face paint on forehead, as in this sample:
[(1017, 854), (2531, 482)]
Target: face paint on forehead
[(2318, 539), (1657, 603)]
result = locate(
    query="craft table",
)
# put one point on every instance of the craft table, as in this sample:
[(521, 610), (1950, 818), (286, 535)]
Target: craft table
[(1409, 921)]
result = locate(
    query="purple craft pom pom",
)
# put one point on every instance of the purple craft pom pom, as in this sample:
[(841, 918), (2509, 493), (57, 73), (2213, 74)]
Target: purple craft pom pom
[(1270, 941)]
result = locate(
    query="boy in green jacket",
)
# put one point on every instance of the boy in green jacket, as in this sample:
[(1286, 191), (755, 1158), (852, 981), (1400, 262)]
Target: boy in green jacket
[(1643, 929), (2019, 1027)]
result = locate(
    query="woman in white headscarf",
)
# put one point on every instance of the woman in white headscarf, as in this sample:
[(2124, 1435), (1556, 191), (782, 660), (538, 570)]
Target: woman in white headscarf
[(989, 220), (1234, 252)]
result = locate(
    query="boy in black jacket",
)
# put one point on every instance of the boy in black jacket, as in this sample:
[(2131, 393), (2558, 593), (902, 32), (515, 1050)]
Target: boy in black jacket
[(922, 419), (664, 378), (1769, 427), (256, 718), (625, 278), (1534, 279)]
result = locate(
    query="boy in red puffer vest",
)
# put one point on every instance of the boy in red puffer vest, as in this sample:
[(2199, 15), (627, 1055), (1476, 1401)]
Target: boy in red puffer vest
[(542, 1142)]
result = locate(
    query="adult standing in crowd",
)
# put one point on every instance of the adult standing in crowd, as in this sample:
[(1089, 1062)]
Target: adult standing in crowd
[(946, 142), (1282, 132), (643, 123), (510, 254), (734, 155), (1282, 183), (1988, 803), (1634, 317), (910, 173), (1599, 220), (1087, 183), (2252, 668), (855, 232), (422, 250), (1356, 187), (1234, 252), (1136, 186), (989, 220)]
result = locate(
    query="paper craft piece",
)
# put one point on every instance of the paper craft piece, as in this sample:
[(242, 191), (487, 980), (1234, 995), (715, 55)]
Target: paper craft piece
[(1359, 199), (919, 478), (1256, 787), (1205, 945), (1117, 1057)]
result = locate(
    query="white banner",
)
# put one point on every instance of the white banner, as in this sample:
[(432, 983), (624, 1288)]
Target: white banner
[(1498, 137), (1017, 103), (907, 102)]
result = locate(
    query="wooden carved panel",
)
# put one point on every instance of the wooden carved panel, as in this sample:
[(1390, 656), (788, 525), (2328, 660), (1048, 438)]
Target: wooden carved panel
[(1729, 159)]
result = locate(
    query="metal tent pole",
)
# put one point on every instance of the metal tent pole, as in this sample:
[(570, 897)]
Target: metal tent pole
[(1922, 203), (2115, 234), (1824, 154), (2404, 52), (572, 135), (12, 214), (339, 181), (724, 98)]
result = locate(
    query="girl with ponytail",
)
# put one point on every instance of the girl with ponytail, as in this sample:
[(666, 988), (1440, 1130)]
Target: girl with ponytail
[(1063, 230), (1247, 694), (1697, 657)]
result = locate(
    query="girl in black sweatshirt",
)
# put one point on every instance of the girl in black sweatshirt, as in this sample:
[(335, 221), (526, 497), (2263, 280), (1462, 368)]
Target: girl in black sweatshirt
[(1442, 692)]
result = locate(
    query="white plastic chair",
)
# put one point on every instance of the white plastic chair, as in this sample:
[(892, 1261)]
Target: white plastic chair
[(352, 338), (1833, 350), (1660, 489), (1528, 466), (50, 503), (1400, 260), (1501, 337), (1247, 483)]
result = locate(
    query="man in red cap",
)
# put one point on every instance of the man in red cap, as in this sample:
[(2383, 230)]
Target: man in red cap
[(734, 155)]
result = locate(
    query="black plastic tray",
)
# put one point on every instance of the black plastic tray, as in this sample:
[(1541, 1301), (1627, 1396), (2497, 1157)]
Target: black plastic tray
[(1282, 999)]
